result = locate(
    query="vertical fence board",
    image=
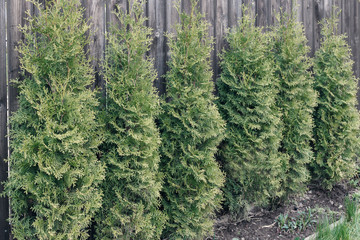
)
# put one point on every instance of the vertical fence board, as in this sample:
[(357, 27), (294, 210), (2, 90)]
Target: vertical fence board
[(111, 7), (94, 13), (273, 10), (156, 20), (251, 6), (172, 18), (357, 38), (299, 9), (221, 25), (318, 16), (286, 6), (16, 17), (308, 16), (327, 8), (337, 7), (186, 6), (207, 8), (261, 13), (234, 12), (4, 202), (350, 6)]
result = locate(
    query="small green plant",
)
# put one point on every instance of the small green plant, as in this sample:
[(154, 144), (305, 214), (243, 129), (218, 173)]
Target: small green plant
[(348, 228), (350, 209), (282, 222), (354, 182), (299, 223)]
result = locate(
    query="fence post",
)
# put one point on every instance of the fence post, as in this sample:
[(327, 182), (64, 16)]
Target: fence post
[(4, 202)]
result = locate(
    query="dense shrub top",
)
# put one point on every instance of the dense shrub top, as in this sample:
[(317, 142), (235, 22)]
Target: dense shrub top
[(247, 93), (55, 173), (191, 129), (132, 140), (296, 99), (336, 131)]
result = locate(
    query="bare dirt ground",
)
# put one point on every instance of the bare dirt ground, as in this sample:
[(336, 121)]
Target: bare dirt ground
[(262, 224)]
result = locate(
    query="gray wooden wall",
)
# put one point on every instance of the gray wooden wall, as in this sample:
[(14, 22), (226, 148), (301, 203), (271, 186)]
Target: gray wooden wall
[(222, 14)]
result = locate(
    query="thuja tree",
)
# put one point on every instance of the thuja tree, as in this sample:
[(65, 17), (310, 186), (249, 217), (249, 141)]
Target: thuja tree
[(131, 147), (336, 133), (191, 129), (296, 99), (247, 91), (55, 172)]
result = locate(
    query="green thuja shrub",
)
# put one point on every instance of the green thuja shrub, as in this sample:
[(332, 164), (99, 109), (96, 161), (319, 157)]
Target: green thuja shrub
[(336, 118), (296, 99), (247, 92), (131, 147), (191, 129), (54, 135)]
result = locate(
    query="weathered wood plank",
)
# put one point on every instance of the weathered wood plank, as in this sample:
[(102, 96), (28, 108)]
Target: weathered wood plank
[(15, 17), (286, 6), (327, 8), (95, 15), (172, 18), (208, 9), (221, 25), (186, 6), (156, 12), (350, 19), (357, 38), (308, 16), (274, 8), (318, 16), (261, 13), (4, 202), (251, 6), (299, 10), (111, 7), (234, 12), (337, 6)]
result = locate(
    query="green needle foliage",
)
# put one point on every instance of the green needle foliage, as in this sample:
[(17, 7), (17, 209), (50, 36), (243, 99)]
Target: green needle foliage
[(336, 118), (247, 93), (296, 99), (191, 129), (131, 148), (55, 172)]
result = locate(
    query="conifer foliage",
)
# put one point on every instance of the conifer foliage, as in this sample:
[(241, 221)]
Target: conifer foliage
[(296, 99), (55, 172), (191, 129), (247, 92), (336, 118), (131, 148)]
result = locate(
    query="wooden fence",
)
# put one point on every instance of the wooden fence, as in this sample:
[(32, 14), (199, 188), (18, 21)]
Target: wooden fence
[(222, 14)]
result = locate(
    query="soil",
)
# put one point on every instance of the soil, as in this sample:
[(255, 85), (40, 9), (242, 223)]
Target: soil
[(261, 224)]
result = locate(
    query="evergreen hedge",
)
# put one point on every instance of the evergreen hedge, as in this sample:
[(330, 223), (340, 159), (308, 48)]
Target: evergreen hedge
[(247, 92), (55, 172), (131, 148), (336, 117), (191, 129), (296, 99)]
